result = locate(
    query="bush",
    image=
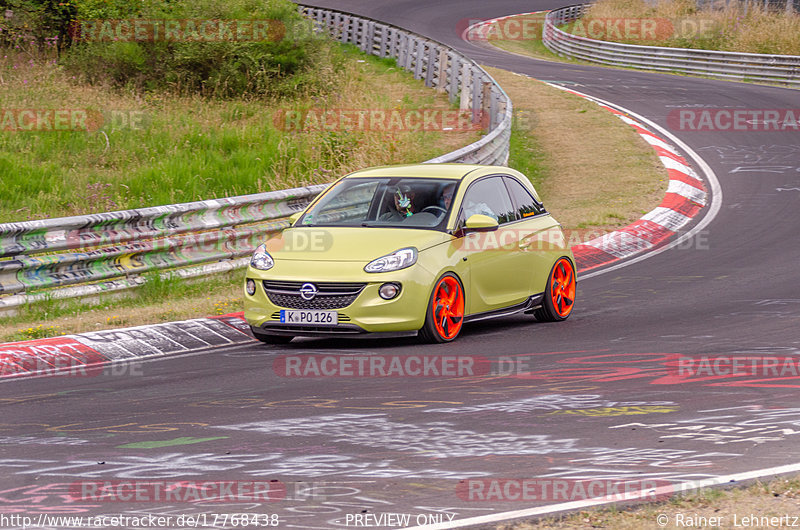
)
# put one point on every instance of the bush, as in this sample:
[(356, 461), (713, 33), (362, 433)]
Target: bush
[(35, 23), (278, 66)]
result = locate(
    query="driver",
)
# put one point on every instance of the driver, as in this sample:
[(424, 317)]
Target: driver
[(404, 205), (446, 197)]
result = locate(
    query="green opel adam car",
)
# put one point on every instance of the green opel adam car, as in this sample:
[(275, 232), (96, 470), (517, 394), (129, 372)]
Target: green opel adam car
[(407, 250)]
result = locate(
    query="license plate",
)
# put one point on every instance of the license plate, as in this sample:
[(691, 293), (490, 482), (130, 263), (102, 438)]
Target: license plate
[(311, 318)]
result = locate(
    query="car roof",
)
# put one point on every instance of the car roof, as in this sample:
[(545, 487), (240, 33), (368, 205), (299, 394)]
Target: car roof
[(459, 172), (444, 171)]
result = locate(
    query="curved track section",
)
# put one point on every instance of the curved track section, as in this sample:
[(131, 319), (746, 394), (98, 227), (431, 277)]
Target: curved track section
[(617, 393)]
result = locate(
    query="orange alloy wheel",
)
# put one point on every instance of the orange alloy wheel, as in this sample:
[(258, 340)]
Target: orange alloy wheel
[(447, 307), (562, 287)]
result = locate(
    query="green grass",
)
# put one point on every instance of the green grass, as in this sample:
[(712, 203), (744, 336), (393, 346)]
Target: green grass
[(188, 148), (730, 29), (39, 332), (194, 148), (532, 48), (564, 142), (767, 498), (526, 155), (733, 27), (160, 299), (557, 139)]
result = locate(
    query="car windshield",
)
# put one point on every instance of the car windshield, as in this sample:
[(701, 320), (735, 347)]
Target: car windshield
[(384, 202)]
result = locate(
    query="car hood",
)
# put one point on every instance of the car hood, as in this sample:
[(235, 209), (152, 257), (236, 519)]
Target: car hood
[(359, 244)]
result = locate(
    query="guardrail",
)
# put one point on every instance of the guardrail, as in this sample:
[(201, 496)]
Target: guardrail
[(440, 67), (783, 69), (91, 254), (116, 248)]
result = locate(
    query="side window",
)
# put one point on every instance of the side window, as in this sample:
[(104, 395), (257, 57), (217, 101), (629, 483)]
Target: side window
[(487, 197), (525, 204)]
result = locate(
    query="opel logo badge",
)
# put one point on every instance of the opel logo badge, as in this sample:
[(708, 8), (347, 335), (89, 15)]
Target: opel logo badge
[(308, 291)]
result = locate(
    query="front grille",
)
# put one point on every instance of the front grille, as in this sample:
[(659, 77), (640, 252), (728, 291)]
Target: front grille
[(295, 301), (330, 295)]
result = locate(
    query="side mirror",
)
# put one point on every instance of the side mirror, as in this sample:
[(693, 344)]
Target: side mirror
[(480, 223), (294, 217)]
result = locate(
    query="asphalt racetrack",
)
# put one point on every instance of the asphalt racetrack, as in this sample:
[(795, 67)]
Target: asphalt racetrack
[(600, 396)]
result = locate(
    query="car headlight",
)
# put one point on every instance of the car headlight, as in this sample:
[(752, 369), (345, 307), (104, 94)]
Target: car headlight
[(261, 259), (399, 259)]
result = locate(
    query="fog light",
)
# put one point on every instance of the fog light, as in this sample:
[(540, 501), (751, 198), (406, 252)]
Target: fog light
[(389, 290), (250, 286)]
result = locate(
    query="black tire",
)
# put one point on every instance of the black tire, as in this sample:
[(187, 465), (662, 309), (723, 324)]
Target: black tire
[(430, 331), (559, 307), (266, 338)]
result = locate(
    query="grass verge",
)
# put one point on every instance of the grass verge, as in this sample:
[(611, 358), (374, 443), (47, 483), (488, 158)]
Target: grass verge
[(694, 31), (706, 508), (156, 301), (521, 34), (736, 27), (591, 169), (160, 148)]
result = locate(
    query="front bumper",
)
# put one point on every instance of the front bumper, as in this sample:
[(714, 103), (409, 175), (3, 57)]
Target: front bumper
[(368, 313)]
